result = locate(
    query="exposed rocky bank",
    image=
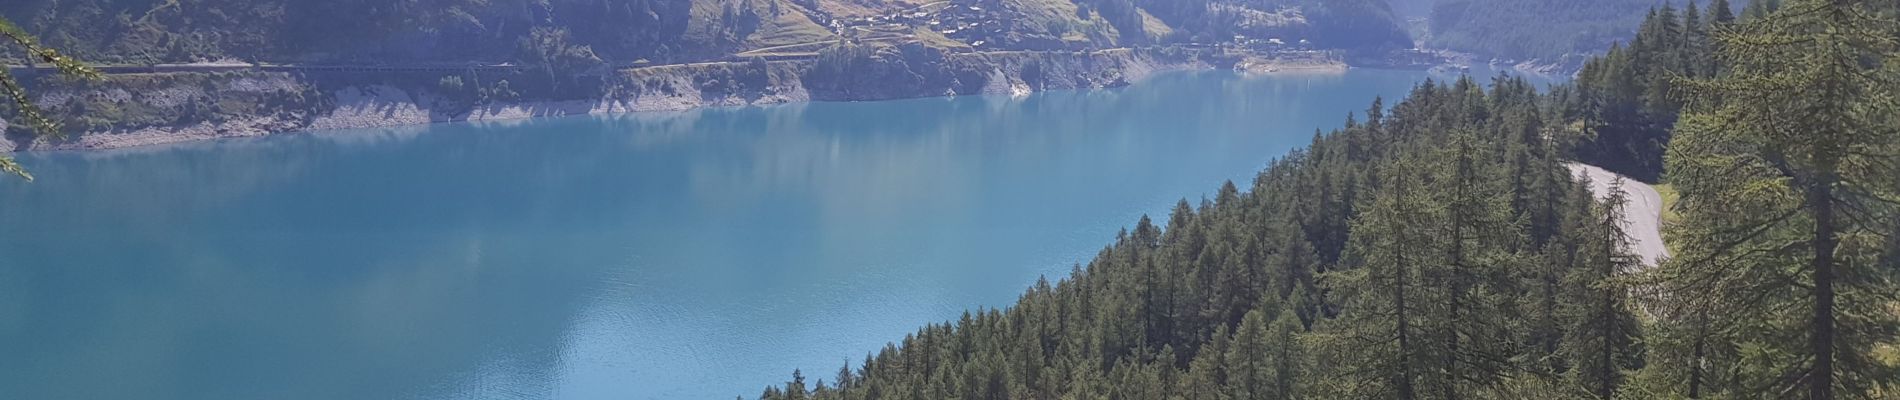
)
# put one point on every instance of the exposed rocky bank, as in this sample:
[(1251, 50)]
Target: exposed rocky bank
[(148, 109)]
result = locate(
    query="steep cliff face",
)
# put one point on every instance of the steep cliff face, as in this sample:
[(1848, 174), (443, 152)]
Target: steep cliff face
[(146, 109)]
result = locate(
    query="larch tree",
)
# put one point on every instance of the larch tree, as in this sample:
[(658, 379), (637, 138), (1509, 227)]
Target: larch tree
[(1475, 227), (1286, 355), (1790, 187), (1603, 342), (1380, 331), (1249, 366)]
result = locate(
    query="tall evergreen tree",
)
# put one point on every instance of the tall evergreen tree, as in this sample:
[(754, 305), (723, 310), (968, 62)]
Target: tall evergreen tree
[(1206, 375), (1721, 14), (1550, 282), (1250, 372), (1287, 357), (1694, 42), (1603, 344), (1787, 173), (1475, 228), (1385, 294)]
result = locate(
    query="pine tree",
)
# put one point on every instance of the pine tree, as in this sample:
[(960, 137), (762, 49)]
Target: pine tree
[(1249, 366), (1378, 332), (1476, 229), (1787, 173), (1287, 356), (1694, 42), (1682, 358), (1721, 18), (1603, 342), (1206, 375), (1721, 14), (1658, 57), (844, 378), (1550, 311)]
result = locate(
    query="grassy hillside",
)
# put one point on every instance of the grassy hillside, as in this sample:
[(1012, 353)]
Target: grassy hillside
[(866, 8), (1058, 19), (1343, 24), (751, 24)]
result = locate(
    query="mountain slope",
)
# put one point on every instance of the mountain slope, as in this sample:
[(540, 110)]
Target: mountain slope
[(661, 31), (395, 31), (1533, 29), (1345, 24), (1276, 293)]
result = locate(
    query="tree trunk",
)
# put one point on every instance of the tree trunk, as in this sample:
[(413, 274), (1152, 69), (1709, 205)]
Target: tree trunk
[(1606, 320), (1821, 341), (1695, 367), (1406, 391)]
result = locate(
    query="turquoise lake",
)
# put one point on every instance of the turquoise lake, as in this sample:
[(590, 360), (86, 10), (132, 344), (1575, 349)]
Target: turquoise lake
[(691, 255)]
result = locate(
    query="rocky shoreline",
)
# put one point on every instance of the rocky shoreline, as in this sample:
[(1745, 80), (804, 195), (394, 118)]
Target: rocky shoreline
[(155, 109), (1273, 66)]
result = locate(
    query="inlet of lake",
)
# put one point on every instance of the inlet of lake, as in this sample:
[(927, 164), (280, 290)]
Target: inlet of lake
[(701, 254)]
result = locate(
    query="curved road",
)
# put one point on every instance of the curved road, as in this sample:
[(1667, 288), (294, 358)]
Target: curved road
[(1642, 213)]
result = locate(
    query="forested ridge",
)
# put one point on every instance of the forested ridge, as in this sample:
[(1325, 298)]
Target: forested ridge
[(1440, 248), (1532, 29), (1628, 93)]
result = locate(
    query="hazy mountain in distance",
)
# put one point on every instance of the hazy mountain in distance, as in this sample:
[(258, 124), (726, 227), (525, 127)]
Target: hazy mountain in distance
[(1531, 29), (1412, 8)]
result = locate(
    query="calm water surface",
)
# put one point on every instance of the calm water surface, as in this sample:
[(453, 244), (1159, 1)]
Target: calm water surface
[(701, 254)]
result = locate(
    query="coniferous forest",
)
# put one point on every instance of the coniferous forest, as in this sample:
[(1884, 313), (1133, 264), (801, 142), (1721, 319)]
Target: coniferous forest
[(1440, 248)]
